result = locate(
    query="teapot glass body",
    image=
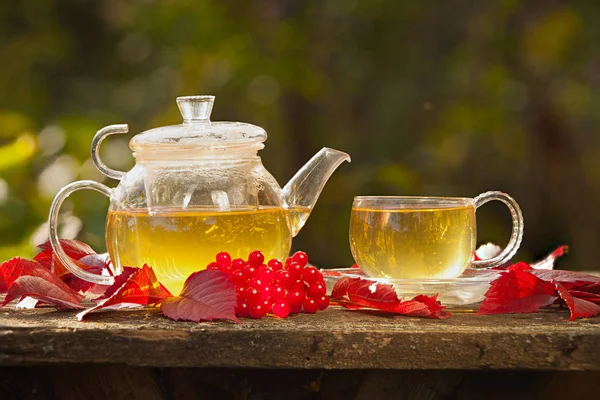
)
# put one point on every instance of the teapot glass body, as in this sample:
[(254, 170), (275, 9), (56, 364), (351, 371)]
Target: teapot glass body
[(181, 205)]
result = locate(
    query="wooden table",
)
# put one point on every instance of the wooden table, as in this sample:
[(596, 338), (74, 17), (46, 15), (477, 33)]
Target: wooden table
[(333, 354)]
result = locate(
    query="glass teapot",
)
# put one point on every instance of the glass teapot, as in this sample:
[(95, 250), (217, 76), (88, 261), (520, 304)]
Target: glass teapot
[(196, 189)]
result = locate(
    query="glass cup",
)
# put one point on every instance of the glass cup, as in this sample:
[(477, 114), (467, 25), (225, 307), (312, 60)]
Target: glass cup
[(423, 237)]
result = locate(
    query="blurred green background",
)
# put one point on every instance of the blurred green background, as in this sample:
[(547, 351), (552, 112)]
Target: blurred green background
[(445, 98)]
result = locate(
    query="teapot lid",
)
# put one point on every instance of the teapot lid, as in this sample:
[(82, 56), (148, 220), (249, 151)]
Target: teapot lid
[(197, 132)]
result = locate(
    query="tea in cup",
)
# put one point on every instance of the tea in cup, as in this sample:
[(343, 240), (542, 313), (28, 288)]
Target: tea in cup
[(423, 237)]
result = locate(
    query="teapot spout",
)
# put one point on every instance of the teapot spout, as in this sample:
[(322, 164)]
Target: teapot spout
[(303, 190)]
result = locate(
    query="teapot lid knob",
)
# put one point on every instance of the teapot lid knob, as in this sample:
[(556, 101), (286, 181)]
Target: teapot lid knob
[(195, 108)]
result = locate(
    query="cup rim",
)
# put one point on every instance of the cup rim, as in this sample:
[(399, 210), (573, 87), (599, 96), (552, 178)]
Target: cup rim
[(451, 198), (412, 200)]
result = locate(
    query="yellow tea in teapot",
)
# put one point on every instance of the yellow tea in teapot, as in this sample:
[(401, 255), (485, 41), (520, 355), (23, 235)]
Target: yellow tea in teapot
[(415, 242), (177, 243)]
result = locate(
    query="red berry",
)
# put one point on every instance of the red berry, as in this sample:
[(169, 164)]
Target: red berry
[(295, 297), (241, 292), (281, 309), (323, 302), (238, 263), (283, 277), (320, 278), (298, 284), (223, 259), (250, 272), (310, 275), (295, 308), (257, 311), (277, 292), (266, 274), (252, 296), (237, 277), (310, 306), (242, 309), (287, 262), (317, 289), (213, 266), (257, 283), (300, 257), (295, 270), (226, 269), (275, 264), (266, 292), (256, 258), (267, 304)]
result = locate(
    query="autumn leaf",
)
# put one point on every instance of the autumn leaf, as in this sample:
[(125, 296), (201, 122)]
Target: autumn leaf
[(341, 287), (141, 288), (358, 293), (35, 281), (371, 294), (206, 295), (579, 307), (74, 249), (591, 288), (520, 266), (119, 281), (421, 306), (569, 279), (12, 269), (593, 297), (517, 291), (81, 255), (550, 259), (522, 289)]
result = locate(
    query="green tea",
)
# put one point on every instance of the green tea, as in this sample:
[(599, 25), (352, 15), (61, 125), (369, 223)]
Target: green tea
[(413, 242), (177, 243)]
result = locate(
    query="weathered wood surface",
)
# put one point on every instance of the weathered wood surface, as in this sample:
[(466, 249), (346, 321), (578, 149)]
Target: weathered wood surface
[(333, 339)]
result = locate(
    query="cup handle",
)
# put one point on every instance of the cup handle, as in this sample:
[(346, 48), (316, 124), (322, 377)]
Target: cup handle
[(53, 223), (517, 228), (98, 138)]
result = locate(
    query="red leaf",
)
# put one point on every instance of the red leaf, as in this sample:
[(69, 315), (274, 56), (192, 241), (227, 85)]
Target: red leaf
[(12, 269), (341, 287), (578, 307), (206, 295), (520, 266), (592, 288), (119, 281), (74, 249), (421, 306), (141, 288), (357, 293), (82, 255), (368, 293), (593, 297), (517, 292), (569, 279), (548, 261), (37, 282), (92, 263)]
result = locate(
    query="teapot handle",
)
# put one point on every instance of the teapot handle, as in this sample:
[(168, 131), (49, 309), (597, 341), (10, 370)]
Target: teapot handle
[(55, 242), (98, 138)]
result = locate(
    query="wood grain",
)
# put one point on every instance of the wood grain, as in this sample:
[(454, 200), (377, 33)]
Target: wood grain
[(333, 339)]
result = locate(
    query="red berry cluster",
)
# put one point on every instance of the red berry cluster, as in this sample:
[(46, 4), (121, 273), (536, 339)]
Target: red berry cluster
[(281, 289)]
